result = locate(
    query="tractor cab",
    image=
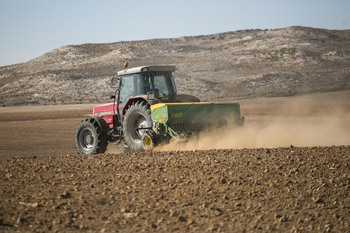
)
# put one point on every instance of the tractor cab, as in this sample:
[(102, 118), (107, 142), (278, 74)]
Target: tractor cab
[(152, 83)]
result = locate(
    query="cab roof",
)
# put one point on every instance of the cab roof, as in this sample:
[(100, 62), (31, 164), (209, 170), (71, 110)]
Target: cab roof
[(142, 69)]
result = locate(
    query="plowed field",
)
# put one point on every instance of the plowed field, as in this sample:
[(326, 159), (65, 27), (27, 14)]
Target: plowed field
[(287, 170)]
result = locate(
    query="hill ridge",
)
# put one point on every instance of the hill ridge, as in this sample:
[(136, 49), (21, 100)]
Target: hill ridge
[(217, 67)]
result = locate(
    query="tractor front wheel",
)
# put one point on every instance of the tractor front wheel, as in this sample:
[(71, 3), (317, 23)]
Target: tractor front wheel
[(90, 138), (137, 117)]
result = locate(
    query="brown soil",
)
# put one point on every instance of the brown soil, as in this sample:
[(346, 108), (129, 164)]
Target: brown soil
[(46, 186)]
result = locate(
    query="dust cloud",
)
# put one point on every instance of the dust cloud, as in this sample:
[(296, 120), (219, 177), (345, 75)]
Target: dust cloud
[(305, 123)]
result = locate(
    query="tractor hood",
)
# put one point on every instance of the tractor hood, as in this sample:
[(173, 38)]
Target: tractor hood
[(104, 109)]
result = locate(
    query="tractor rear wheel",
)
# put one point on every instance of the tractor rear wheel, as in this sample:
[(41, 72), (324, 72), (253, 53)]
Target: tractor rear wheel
[(123, 147), (90, 138), (138, 116)]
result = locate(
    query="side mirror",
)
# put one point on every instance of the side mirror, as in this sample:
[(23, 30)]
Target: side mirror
[(114, 82)]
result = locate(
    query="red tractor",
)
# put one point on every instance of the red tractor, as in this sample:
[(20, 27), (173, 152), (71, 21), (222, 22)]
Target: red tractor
[(148, 111)]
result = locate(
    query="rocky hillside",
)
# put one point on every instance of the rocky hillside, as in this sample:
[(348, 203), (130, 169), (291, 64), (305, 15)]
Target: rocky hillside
[(231, 65)]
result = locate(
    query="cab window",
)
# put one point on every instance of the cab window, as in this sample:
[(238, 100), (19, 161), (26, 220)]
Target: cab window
[(173, 83), (143, 84), (163, 85), (126, 88)]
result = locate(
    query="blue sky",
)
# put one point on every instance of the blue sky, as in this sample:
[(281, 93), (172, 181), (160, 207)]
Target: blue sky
[(30, 28)]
